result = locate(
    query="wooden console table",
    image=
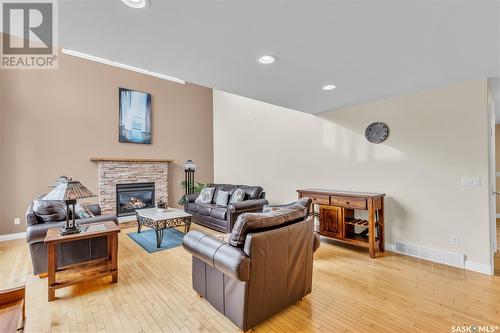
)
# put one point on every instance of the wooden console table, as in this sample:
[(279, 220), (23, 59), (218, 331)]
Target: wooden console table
[(336, 216), (85, 271)]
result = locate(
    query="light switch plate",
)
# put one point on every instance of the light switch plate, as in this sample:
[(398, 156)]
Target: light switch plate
[(471, 181)]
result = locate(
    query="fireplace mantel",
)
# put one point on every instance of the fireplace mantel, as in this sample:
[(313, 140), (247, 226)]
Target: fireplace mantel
[(129, 160)]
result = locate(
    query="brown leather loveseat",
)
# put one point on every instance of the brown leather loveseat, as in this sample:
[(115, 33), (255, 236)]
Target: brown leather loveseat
[(222, 218), (264, 266)]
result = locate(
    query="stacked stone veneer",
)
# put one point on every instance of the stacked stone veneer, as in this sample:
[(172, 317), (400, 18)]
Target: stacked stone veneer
[(118, 172)]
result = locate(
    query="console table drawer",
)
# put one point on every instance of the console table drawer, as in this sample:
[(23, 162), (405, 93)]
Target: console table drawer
[(319, 199), (349, 202)]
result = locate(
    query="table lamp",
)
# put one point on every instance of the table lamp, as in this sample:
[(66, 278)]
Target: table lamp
[(69, 191), (61, 179)]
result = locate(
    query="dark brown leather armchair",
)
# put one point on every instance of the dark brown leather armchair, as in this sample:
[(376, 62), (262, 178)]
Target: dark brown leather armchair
[(264, 266)]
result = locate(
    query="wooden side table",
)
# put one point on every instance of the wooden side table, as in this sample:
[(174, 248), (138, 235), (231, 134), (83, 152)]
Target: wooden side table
[(336, 216), (85, 271)]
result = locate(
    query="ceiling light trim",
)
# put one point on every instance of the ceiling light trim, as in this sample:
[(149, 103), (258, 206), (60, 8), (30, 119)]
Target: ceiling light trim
[(328, 87), (120, 65), (138, 4), (267, 59)]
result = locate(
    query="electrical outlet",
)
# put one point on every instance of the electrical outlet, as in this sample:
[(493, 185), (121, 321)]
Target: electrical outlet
[(474, 181), (454, 240), (17, 220)]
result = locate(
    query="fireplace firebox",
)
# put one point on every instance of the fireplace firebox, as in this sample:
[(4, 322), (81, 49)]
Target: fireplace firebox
[(132, 196)]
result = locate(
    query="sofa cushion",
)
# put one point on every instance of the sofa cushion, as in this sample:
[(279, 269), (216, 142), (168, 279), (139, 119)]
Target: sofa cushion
[(238, 196), (204, 209), (222, 198), (252, 222), (218, 212), (222, 187), (206, 195), (49, 211), (82, 211), (252, 192)]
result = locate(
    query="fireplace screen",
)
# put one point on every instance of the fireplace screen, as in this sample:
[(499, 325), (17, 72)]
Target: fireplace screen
[(130, 197)]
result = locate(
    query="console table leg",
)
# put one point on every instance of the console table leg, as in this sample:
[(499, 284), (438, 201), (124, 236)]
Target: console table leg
[(381, 238), (371, 228)]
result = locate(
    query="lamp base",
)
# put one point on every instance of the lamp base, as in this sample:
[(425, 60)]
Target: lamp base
[(69, 231)]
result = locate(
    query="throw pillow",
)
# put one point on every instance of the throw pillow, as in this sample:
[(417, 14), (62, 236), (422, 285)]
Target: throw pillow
[(222, 198), (206, 195), (82, 211), (238, 196), (49, 211)]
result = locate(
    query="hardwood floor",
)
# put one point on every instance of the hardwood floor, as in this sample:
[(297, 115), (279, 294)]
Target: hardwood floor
[(351, 293)]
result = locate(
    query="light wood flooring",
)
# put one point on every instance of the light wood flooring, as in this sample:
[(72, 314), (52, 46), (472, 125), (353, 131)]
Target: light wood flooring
[(351, 293)]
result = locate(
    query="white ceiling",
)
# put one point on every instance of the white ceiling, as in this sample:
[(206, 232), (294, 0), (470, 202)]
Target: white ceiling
[(369, 50)]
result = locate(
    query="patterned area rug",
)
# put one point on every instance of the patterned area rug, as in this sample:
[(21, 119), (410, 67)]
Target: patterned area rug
[(147, 239)]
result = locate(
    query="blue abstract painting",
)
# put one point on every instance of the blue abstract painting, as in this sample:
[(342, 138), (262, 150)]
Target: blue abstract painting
[(135, 116)]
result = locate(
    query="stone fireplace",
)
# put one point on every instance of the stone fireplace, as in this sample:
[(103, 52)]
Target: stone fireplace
[(148, 176)]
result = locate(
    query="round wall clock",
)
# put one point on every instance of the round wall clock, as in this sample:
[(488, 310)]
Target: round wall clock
[(377, 132)]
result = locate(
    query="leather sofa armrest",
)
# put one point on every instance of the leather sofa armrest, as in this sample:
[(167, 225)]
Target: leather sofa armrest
[(31, 218), (191, 197), (247, 205), (217, 253), (95, 209)]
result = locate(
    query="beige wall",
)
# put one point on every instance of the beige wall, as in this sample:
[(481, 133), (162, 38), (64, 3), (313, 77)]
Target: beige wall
[(55, 120), (436, 137), (497, 163)]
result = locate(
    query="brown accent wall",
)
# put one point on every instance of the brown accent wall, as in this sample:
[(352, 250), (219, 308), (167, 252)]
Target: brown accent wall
[(55, 120)]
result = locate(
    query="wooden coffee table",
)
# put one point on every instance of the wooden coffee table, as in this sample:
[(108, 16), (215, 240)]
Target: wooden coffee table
[(85, 271), (161, 219)]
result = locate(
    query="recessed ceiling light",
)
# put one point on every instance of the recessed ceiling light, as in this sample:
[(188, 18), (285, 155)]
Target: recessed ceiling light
[(267, 59), (136, 3), (328, 87)]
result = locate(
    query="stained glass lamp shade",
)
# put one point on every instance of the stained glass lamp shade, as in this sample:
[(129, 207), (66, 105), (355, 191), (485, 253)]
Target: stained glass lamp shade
[(69, 192)]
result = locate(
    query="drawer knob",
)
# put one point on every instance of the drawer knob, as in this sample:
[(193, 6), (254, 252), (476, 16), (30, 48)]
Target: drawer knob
[(347, 202)]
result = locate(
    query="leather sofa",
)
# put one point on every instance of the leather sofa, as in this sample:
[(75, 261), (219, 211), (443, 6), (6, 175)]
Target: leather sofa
[(68, 253), (223, 218), (263, 266)]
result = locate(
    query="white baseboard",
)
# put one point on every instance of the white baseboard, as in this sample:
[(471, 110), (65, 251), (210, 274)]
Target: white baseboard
[(17, 235), (478, 267), (442, 257)]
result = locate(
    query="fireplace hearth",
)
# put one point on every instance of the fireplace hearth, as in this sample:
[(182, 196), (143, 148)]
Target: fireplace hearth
[(132, 196)]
